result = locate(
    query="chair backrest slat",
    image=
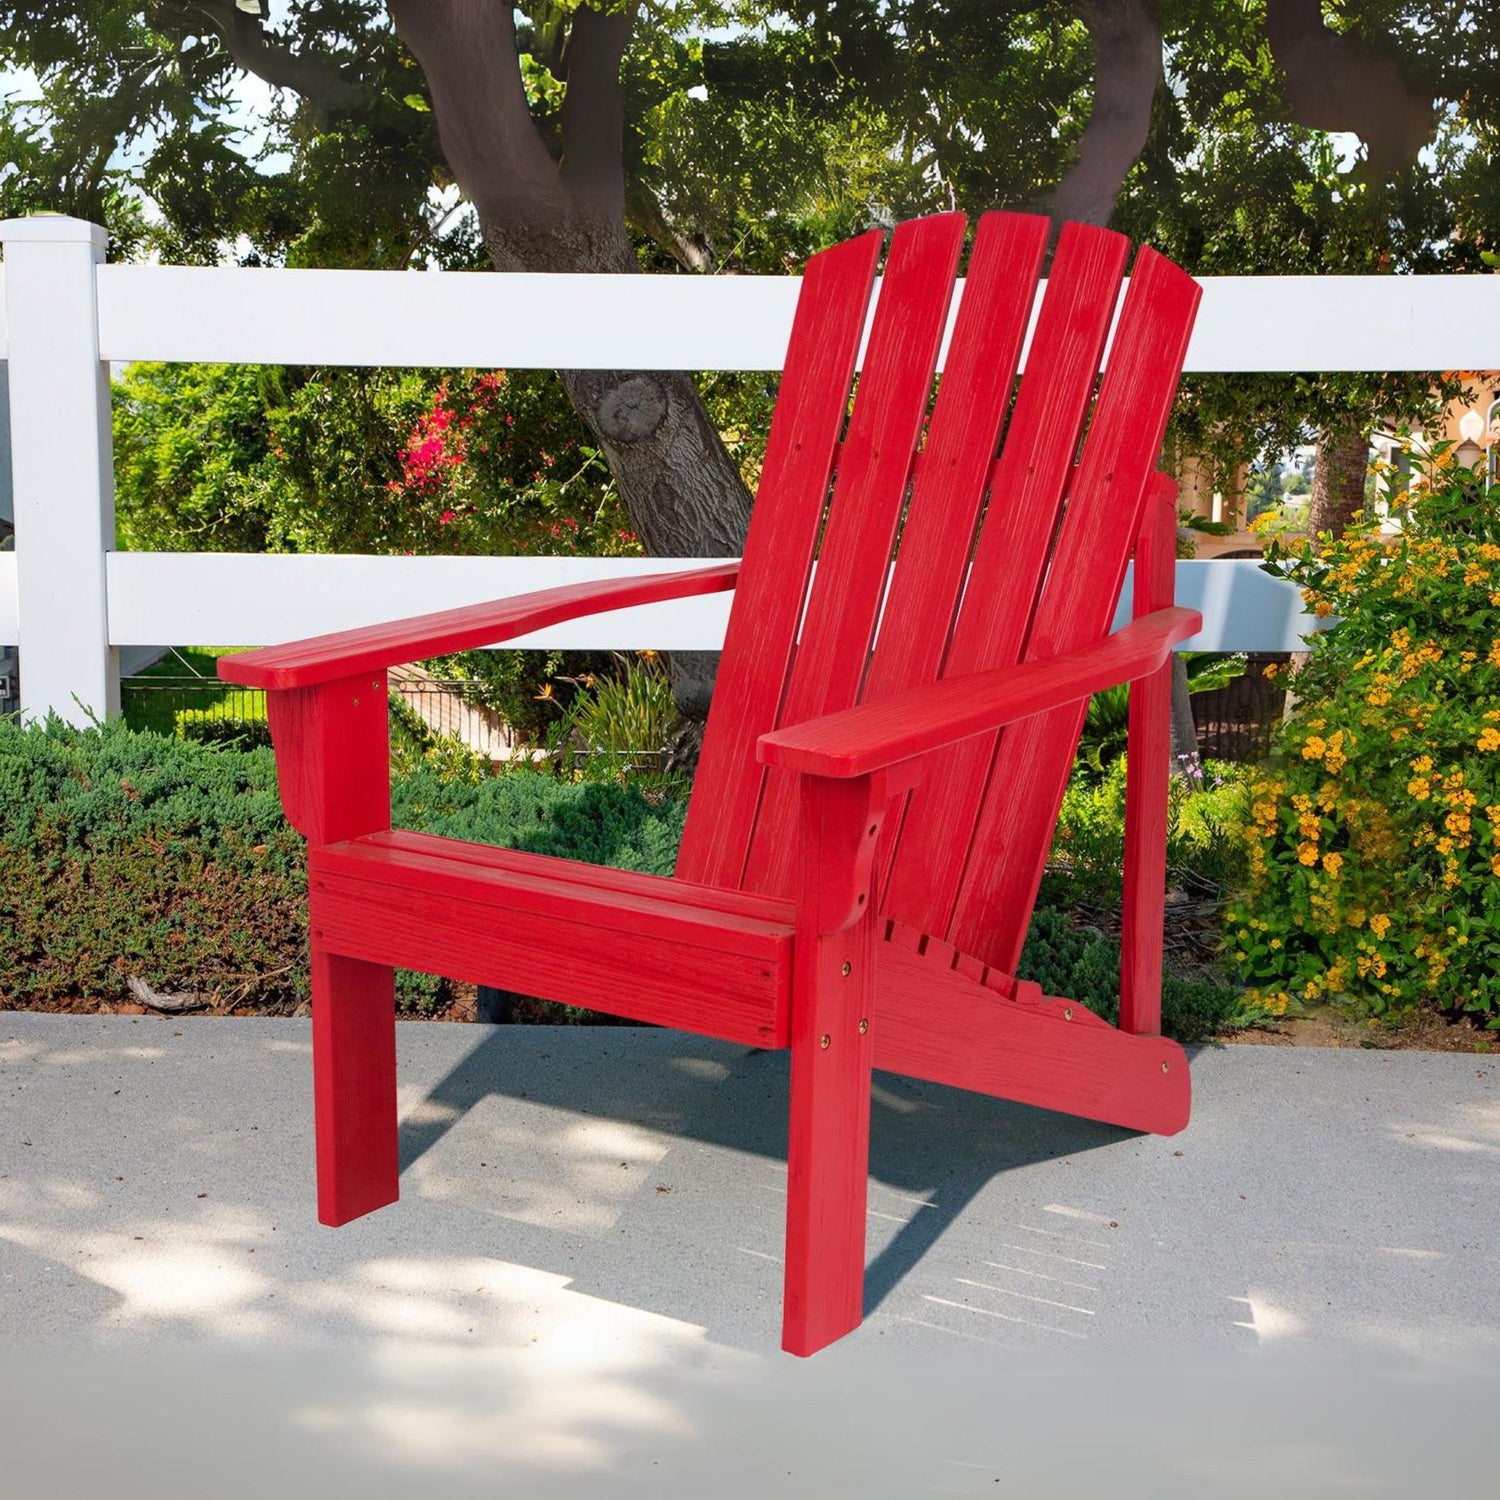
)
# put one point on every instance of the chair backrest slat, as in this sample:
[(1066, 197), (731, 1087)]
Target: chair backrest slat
[(800, 449), (948, 491), (1014, 832), (1026, 496), (875, 466), (964, 860)]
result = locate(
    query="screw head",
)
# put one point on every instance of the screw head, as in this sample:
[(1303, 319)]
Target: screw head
[(824, 1040), (846, 969), (1166, 1067), (864, 1025), (1068, 1013)]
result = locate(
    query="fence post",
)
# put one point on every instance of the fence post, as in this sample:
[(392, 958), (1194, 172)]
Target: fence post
[(62, 467)]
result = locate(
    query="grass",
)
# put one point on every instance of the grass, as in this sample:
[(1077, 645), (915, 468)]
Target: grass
[(156, 708)]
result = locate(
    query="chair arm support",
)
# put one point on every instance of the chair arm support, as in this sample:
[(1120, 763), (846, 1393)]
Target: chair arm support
[(326, 658), (877, 736)]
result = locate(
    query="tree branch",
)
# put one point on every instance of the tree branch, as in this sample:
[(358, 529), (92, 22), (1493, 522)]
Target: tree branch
[(468, 53), (593, 112), (313, 77), (1127, 69), (1338, 82)]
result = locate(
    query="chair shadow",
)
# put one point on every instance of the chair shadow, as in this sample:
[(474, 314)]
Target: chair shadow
[(940, 1145)]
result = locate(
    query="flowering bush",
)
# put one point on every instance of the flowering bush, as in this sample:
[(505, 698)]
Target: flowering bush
[(1374, 839)]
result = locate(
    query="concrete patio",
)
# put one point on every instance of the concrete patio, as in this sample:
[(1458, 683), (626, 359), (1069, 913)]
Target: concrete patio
[(579, 1292)]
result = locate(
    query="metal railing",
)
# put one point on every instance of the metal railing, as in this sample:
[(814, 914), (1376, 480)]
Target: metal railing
[(204, 708)]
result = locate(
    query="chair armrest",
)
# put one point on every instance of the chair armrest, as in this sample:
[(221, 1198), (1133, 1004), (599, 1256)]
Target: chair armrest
[(325, 658), (876, 736)]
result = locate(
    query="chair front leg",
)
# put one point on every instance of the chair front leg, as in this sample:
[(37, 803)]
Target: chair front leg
[(833, 1047), (354, 1086), (333, 765)]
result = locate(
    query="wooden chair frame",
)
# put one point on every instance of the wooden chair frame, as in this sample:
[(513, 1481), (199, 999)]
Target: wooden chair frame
[(788, 924)]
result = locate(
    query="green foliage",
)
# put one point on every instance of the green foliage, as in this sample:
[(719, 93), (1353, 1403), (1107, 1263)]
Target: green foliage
[(1374, 850), (1205, 832), (219, 724), (128, 853), (193, 463), (618, 725), (229, 458), (1081, 963), (1106, 726), (527, 689)]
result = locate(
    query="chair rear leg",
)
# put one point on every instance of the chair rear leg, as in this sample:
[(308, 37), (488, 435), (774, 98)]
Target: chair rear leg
[(354, 1086), (828, 1151)]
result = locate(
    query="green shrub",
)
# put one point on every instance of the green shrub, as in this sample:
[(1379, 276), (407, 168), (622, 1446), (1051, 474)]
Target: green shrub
[(1374, 850), (619, 724), (1084, 965), (1205, 832), (125, 853), (217, 725)]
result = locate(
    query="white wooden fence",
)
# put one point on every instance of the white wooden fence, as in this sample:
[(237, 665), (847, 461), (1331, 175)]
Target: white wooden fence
[(70, 600)]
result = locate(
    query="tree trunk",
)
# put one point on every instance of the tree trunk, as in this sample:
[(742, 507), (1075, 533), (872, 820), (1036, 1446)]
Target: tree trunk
[(1340, 465), (1185, 763), (681, 489), (1339, 469), (1126, 39)]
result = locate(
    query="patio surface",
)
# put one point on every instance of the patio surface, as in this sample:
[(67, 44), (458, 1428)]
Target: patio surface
[(579, 1292)]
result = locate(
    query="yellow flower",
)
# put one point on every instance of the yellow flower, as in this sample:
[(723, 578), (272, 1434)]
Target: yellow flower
[(1489, 739), (1422, 764), (1307, 854), (1315, 748), (1380, 924), (1418, 790), (1333, 863)]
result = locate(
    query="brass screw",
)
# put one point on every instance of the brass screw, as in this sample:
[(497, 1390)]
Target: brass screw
[(356, 702), (864, 1025), (825, 1040), (1068, 1013), (1166, 1067), (847, 967)]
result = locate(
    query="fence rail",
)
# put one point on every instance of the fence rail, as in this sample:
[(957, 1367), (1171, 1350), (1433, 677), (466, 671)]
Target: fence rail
[(70, 599)]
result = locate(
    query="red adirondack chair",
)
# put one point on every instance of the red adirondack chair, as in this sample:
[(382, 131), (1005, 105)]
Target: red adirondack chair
[(885, 758)]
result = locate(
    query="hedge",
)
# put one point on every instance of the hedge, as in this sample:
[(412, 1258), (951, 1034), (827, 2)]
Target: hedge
[(127, 853)]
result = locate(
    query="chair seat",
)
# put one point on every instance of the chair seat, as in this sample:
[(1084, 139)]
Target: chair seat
[(641, 946)]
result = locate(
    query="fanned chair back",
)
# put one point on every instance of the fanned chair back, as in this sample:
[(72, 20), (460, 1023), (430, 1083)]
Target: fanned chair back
[(1011, 547)]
